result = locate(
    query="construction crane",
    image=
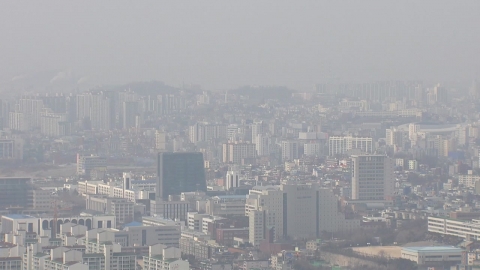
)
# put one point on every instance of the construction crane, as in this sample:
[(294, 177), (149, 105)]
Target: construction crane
[(55, 217)]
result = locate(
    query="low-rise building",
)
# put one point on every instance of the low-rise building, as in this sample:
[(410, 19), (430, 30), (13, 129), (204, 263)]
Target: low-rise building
[(469, 230), (432, 255)]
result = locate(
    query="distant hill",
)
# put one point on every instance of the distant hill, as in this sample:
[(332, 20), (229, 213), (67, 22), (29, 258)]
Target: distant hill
[(264, 92), (150, 88)]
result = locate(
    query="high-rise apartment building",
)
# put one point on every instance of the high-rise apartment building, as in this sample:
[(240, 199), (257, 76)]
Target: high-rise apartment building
[(179, 172), (290, 150), (312, 149), (130, 114), (395, 137), (31, 108), (4, 113), (200, 132), (54, 124), (160, 140), (11, 149), (235, 152), (18, 121), (232, 180), (341, 145), (372, 178), (94, 109), (87, 164), (262, 145), (161, 257)]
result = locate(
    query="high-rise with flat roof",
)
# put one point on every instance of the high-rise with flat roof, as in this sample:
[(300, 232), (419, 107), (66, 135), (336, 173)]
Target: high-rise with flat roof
[(179, 172), (372, 177), (14, 192)]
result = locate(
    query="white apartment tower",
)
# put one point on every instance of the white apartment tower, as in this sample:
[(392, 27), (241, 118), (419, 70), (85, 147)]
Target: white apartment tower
[(160, 140), (289, 150), (262, 145), (235, 152), (372, 177), (232, 180), (341, 145)]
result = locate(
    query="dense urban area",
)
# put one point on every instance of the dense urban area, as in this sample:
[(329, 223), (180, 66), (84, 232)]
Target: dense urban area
[(376, 175)]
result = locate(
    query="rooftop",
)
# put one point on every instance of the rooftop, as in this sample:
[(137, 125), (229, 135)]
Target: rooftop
[(18, 216), (433, 249)]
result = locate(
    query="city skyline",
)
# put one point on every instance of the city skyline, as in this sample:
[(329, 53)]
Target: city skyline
[(291, 44)]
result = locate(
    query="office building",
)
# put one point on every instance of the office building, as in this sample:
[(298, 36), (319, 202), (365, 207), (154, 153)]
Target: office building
[(466, 229), (226, 205), (300, 202), (172, 209), (372, 178), (179, 172), (14, 192), (264, 207), (317, 208), (136, 234)]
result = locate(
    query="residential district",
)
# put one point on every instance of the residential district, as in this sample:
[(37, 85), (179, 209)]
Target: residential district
[(380, 175)]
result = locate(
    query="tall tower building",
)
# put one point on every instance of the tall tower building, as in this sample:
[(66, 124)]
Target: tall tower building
[(94, 108), (264, 207), (232, 180), (257, 128), (235, 152), (160, 140), (262, 145), (130, 114), (289, 150), (372, 177), (179, 172)]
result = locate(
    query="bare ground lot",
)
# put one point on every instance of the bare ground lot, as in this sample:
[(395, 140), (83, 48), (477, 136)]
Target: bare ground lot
[(390, 251), (38, 171), (378, 251)]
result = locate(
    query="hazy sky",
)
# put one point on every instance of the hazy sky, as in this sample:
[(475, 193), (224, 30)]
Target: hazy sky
[(225, 44)]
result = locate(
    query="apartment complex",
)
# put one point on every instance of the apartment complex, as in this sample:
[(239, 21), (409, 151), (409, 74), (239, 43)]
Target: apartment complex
[(341, 145), (161, 257), (121, 208), (235, 152)]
